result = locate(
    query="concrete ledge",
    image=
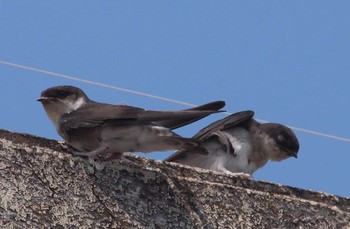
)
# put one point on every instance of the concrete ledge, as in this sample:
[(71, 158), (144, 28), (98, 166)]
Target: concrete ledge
[(43, 185)]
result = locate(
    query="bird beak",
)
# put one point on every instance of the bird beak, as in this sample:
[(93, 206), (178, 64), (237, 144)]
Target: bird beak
[(293, 154), (43, 99)]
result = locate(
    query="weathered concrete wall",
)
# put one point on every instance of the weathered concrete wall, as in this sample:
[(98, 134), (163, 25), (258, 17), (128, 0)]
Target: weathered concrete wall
[(42, 185)]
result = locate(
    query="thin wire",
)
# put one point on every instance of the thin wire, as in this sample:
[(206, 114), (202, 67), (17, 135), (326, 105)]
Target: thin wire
[(319, 134), (151, 96), (95, 83)]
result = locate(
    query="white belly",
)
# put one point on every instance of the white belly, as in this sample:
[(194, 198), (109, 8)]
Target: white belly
[(221, 160)]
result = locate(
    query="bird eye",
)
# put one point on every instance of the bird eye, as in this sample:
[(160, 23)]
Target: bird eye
[(224, 148)]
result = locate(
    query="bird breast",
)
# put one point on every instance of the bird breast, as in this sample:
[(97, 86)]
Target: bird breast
[(237, 161)]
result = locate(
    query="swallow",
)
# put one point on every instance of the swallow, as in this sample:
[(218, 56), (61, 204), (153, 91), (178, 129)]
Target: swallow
[(238, 144), (94, 128)]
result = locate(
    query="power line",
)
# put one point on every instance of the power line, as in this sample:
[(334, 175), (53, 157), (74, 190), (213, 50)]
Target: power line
[(150, 95), (94, 83)]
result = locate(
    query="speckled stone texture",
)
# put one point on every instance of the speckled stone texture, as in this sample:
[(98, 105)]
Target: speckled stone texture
[(43, 186)]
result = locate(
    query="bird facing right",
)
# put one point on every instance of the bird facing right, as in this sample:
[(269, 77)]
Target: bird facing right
[(239, 144)]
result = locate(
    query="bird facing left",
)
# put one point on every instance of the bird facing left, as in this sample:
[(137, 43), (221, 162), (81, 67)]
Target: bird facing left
[(95, 128)]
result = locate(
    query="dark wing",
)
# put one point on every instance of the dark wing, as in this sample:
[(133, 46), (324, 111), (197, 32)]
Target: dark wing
[(225, 123), (96, 114), (157, 116), (182, 154), (222, 124), (177, 123)]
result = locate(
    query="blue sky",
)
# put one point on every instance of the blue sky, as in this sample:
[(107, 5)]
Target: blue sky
[(286, 60)]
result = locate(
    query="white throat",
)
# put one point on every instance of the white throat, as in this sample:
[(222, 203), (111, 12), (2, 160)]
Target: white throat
[(72, 106)]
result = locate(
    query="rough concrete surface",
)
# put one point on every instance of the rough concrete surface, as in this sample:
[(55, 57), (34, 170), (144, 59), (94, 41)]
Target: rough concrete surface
[(43, 186)]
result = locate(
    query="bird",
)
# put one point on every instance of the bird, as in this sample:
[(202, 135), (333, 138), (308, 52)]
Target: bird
[(94, 128), (238, 144)]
